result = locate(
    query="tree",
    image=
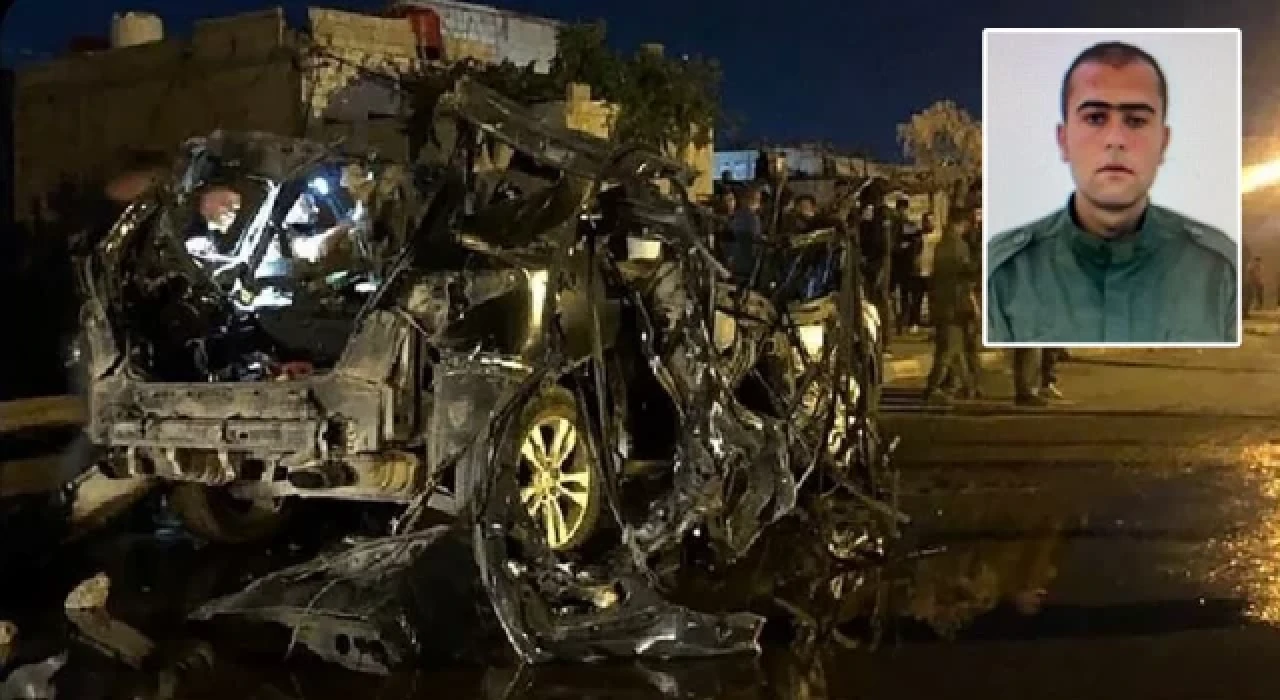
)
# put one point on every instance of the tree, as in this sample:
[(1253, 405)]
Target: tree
[(945, 141), (663, 102), (583, 57)]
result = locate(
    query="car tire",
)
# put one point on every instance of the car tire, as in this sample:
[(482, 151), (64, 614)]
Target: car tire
[(213, 514), (551, 410)]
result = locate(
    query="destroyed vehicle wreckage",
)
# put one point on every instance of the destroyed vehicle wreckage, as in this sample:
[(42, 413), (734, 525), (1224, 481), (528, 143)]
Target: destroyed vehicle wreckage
[(527, 331)]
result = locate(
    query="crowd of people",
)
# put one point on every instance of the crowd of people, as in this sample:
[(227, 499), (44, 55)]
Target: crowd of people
[(922, 278)]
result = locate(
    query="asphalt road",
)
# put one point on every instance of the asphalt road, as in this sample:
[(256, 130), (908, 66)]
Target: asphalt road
[(1145, 508), (1122, 544)]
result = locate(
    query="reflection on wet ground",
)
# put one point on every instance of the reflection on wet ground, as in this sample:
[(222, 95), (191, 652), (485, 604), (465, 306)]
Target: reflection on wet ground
[(1152, 566)]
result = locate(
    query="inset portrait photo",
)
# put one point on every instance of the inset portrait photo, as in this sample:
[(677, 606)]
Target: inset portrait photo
[(1111, 187)]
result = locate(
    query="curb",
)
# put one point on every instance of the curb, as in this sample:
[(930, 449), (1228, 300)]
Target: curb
[(918, 367), (41, 411)]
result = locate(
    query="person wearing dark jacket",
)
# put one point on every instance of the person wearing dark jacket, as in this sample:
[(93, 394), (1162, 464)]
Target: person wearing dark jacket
[(746, 227), (874, 246), (906, 248), (952, 307)]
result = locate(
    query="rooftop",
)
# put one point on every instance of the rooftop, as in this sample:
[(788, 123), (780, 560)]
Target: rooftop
[(490, 9)]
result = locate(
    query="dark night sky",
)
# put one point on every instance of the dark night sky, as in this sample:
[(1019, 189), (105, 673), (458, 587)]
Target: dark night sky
[(836, 70)]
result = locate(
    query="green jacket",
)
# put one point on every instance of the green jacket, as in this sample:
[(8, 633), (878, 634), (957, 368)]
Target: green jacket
[(955, 274), (1173, 281)]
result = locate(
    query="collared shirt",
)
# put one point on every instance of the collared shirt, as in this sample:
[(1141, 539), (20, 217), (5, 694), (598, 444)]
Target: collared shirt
[(1173, 280)]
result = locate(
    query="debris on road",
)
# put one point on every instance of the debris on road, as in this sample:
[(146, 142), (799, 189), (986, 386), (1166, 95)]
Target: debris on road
[(86, 608), (33, 681), (375, 605)]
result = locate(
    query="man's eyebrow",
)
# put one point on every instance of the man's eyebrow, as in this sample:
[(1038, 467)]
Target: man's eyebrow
[(1123, 106)]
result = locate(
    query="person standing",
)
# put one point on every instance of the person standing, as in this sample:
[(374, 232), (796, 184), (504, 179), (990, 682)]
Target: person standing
[(973, 236), (923, 270), (1254, 287), (874, 245), (725, 206), (951, 307), (746, 227), (973, 329), (805, 209), (1035, 378), (905, 240)]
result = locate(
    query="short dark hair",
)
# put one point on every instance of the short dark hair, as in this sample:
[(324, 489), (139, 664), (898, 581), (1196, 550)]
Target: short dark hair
[(1116, 54)]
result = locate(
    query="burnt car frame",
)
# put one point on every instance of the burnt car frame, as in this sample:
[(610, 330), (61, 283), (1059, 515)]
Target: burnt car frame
[(495, 356)]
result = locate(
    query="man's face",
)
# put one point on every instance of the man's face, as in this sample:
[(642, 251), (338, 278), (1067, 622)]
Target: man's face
[(1114, 136), (868, 212), (806, 209), (751, 200), (219, 207)]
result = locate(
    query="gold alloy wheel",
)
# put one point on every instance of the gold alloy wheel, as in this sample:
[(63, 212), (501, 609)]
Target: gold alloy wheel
[(559, 490)]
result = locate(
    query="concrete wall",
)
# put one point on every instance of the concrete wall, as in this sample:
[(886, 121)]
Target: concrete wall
[(702, 161), (76, 113), (581, 113), (805, 161), (597, 117), (813, 163), (494, 35), (349, 82), (919, 203), (740, 164)]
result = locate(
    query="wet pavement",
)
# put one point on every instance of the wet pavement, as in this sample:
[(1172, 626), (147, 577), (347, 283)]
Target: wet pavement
[(1125, 544)]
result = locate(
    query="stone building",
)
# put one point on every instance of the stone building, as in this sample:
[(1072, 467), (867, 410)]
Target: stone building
[(815, 171), (491, 34), (335, 79), (74, 114), (802, 161)]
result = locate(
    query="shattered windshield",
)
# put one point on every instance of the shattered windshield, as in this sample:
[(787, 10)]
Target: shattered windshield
[(267, 238)]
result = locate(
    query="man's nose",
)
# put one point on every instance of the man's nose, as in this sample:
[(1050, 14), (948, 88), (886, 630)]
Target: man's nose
[(1116, 135)]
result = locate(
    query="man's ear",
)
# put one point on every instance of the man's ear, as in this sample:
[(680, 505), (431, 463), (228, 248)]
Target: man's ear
[(1168, 134), (1061, 133)]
